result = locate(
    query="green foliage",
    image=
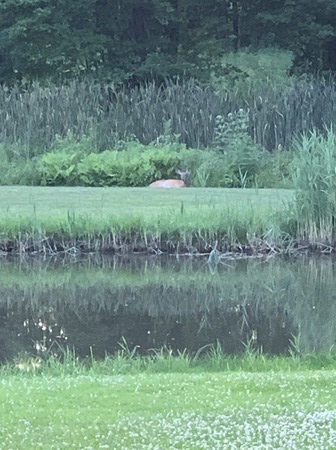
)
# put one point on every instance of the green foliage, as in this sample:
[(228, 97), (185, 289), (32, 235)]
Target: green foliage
[(72, 162), (48, 40), (134, 42), (71, 144), (243, 159), (238, 162), (34, 118), (315, 183), (248, 69), (137, 166), (133, 168), (59, 168), (15, 169), (277, 171), (235, 125), (215, 172), (302, 26)]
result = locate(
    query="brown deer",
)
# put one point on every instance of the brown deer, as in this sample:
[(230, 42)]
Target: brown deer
[(183, 182)]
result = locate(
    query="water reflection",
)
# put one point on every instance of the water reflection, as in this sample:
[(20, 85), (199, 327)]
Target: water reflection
[(95, 301)]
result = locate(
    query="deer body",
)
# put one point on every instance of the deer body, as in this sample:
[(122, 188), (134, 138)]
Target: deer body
[(168, 184), (182, 183)]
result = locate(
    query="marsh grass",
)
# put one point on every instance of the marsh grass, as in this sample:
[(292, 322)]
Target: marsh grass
[(33, 119), (210, 358), (315, 186)]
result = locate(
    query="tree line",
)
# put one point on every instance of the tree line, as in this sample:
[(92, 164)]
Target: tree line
[(139, 40)]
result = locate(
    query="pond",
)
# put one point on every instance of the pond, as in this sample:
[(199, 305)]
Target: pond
[(94, 303)]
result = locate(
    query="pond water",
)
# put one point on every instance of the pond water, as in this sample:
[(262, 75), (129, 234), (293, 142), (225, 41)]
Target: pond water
[(94, 303)]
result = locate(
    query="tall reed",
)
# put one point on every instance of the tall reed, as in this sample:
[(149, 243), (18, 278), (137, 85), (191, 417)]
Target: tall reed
[(32, 118), (315, 185)]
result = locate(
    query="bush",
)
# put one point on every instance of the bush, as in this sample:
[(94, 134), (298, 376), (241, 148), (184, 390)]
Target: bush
[(129, 168), (15, 169), (278, 171), (242, 160), (59, 168), (137, 166), (214, 171)]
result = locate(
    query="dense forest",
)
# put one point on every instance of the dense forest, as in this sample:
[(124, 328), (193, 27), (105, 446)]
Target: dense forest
[(136, 40)]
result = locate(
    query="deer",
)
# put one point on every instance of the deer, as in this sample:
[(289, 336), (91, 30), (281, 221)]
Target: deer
[(182, 183)]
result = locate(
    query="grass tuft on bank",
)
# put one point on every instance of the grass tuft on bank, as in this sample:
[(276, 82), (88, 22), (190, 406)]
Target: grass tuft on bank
[(59, 361)]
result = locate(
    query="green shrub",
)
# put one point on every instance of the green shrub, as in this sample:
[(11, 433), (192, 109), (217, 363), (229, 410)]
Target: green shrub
[(15, 169), (214, 171), (96, 169), (130, 168), (138, 165), (242, 160), (277, 172), (59, 168)]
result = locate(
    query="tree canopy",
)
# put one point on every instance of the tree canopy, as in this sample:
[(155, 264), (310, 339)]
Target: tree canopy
[(137, 40)]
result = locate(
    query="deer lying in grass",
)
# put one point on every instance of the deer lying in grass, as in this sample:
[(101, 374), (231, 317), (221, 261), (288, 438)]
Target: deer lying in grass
[(183, 182)]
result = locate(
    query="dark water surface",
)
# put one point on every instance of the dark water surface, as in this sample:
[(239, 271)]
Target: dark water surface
[(94, 302)]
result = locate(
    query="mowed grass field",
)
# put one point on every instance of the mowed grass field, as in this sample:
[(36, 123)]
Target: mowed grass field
[(205, 411), (46, 202), (138, 218)]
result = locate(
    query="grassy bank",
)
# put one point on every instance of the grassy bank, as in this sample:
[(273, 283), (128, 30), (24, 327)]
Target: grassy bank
[(169, 410), (141, 219)]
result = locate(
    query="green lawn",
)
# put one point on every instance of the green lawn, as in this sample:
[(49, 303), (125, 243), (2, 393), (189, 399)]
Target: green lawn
[(140, 218), (45, 202), (231, 410)]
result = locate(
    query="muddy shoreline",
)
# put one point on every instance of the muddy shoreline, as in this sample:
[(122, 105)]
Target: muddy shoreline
[(218, 247)]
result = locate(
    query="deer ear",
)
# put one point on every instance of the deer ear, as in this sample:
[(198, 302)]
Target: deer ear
[(178, 171)]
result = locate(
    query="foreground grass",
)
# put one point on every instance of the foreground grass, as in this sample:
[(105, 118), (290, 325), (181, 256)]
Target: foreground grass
[(208, 410)]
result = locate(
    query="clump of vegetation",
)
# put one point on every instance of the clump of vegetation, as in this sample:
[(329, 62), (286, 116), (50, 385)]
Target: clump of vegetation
[(277, 170), (244, 71), (16, 169), (107, 115), (136, 165), (126, 360), (242, 158), (315, 185)]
